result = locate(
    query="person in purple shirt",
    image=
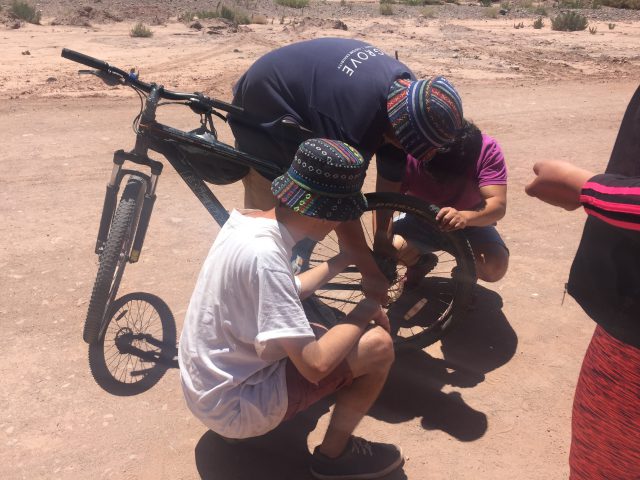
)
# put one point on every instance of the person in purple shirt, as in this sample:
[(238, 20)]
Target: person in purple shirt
[(469, 183)]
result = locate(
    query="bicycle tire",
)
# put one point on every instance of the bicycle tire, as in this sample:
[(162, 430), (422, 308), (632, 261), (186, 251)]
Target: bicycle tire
[(113, 259), (454, 292)]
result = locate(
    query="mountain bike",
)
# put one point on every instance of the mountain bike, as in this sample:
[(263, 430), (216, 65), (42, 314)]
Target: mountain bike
[(420, 317)]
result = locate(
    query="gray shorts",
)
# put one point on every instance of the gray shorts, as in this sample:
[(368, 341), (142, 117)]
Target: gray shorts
[(412, 228)]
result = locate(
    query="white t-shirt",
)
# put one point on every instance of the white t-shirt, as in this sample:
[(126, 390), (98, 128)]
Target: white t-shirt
[(233, 374)]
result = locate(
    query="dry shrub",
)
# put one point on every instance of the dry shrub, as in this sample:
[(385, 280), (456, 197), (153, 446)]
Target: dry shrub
[(569, 22), (24, 11), (293, 3), (386, 9), (140, 31)]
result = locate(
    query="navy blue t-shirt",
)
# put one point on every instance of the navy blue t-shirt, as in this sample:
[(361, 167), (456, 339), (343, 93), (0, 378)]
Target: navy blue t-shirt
[(335, 88)]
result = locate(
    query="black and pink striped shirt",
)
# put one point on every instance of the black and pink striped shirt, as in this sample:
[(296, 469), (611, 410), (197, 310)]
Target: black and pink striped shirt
[(605, 275), (614, 199)]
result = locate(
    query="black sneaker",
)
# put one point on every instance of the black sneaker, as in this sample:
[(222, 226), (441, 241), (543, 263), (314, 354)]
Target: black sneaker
[(360, 460)]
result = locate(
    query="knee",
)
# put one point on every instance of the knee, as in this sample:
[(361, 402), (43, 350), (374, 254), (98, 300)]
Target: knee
[(492, 273), (493, 268), (379, 345)]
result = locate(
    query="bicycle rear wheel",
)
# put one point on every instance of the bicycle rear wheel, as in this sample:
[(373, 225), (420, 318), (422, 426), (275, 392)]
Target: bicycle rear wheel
[(422, 315), (113, 258)]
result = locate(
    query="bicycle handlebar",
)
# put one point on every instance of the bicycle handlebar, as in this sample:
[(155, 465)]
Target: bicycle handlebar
[(85, 59), (147, 87)]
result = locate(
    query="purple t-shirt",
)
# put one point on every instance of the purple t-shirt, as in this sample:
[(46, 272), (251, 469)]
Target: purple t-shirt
[(462, 193)]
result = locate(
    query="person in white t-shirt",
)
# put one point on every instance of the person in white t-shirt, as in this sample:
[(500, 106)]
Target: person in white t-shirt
[(250, 359)]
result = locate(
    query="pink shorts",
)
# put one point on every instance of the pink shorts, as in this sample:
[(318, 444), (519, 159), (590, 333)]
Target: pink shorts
[(301, 393)]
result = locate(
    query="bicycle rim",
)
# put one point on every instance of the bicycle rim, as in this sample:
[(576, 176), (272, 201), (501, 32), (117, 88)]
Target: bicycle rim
[(421, 315)]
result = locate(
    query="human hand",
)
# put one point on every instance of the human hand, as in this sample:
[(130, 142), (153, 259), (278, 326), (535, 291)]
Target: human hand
[(375, 286), (381, 319), (371, 311), (558, 183), (451, 219)]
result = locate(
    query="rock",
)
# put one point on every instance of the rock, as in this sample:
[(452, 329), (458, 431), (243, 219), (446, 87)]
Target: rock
[(52, 79), (196, 25), (16, 25), (26, 52), (339, 25)]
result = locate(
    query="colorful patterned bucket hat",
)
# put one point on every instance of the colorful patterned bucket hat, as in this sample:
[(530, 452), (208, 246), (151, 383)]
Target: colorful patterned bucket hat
[(324, 181), (425, 115)]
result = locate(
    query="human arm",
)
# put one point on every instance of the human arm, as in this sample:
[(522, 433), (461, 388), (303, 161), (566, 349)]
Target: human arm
[(316, 277), (558, 183), (614, 199), (391, 164), (353, 243), (494, 209), (315, 359)]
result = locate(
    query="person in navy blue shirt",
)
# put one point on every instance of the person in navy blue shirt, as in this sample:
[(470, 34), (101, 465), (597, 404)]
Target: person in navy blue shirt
[(346, 90)]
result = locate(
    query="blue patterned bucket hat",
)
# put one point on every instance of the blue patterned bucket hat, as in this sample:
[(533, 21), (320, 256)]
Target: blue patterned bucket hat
[(324, 181), (425, 115)]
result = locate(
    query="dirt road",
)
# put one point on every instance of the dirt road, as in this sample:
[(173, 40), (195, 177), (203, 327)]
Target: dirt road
[(491, 402)]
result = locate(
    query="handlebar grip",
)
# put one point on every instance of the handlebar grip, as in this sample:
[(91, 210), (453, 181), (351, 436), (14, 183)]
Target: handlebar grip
[(84, 59)]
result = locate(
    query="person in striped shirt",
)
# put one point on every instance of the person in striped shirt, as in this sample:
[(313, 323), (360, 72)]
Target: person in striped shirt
[(605, 281)]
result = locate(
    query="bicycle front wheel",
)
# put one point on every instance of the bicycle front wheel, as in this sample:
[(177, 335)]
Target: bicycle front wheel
[(421, 315), (113, 259)]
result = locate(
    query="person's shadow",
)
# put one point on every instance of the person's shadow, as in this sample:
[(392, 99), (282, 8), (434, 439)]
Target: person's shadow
[(482, 342)]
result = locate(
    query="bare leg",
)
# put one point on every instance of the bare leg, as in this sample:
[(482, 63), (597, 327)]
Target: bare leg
[(370, 361), (492, 261), (408, 253), (257, 192)]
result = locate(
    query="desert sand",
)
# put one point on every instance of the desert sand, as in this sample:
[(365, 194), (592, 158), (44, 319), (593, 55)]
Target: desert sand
[(492, 401)]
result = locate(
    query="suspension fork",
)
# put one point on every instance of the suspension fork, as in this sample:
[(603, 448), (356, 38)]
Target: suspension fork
[(111, 198)]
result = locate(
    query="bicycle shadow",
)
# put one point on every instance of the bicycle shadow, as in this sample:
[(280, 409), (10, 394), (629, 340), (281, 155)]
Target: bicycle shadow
[(281, 454), (482, 342), (138, 347)]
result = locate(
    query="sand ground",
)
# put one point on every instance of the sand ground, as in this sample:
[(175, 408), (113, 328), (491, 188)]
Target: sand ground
[(490, 402)]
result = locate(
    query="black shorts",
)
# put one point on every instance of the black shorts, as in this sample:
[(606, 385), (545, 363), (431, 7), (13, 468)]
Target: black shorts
[(276, 143)]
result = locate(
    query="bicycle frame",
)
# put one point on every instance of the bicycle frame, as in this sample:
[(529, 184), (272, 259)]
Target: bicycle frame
[(161, 138)]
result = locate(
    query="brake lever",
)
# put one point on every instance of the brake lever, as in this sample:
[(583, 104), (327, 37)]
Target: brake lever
[(108, 78)]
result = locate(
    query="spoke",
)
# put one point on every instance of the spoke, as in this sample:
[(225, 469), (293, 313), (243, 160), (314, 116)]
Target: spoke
[(328, 247), (442, 301), (366, 230)]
